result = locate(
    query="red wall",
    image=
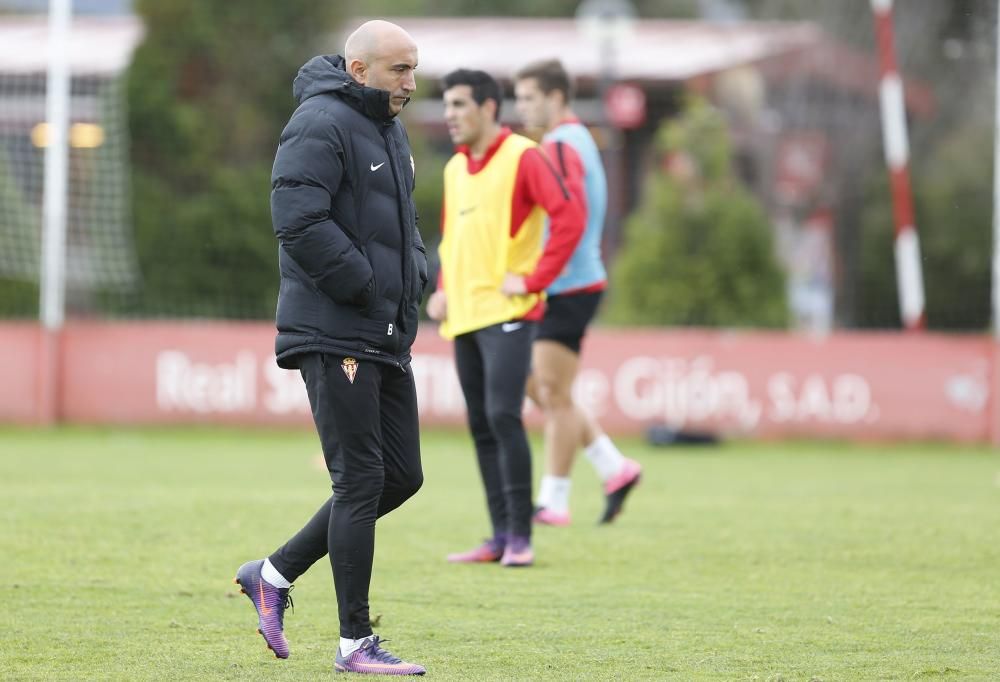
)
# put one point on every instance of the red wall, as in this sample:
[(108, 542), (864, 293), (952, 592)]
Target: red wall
[(856, 386), (20, 382)]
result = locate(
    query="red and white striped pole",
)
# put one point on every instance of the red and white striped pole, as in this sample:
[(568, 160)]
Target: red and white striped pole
[(909, 275)]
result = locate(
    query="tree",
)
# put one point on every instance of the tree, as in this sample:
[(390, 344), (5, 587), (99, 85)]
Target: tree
[(209, 91), (699, 250)]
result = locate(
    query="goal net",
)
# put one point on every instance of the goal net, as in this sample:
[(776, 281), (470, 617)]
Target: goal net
[(100, 258)]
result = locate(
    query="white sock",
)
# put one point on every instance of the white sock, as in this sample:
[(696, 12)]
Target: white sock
[(349, 646), (605, 457), (271, 576), (554, 494)]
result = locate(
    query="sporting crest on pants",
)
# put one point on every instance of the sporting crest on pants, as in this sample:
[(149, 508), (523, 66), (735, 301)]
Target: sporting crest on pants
[(350, 367)]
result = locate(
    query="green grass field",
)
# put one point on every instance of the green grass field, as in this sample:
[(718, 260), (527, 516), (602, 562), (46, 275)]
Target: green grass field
[(745, 562)]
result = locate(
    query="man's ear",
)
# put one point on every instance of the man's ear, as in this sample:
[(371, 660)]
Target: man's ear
[(491, 105), (358, 70)]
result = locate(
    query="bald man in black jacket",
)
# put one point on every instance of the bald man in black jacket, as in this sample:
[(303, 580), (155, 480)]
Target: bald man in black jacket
[(353, 269)]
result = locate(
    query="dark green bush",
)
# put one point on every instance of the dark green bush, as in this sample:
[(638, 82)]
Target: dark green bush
[(699, 250), (209, 92)]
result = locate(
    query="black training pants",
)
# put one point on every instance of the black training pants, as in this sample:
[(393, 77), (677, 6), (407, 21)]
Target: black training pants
[(369, 431), (493, 365)]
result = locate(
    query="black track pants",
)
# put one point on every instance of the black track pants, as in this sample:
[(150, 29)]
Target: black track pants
[(370, 436), (493, 365)]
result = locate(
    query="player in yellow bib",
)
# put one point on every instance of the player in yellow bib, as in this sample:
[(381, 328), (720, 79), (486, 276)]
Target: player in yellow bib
[(498, 188)]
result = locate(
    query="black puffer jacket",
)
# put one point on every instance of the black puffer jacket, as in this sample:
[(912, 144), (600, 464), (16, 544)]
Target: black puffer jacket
[(352, 264)]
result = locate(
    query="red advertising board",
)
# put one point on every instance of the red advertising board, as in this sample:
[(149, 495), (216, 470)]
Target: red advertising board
[(753, 384), (20, 381)]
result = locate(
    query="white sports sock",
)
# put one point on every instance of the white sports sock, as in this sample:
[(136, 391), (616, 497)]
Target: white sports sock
[(554, 494), (271, 576), (605, 457), (349, 646), (544, 492)]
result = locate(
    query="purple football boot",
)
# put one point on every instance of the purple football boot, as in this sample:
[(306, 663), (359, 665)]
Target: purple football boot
[(491, 550), (518, 552), (270, 603), (374, 660)]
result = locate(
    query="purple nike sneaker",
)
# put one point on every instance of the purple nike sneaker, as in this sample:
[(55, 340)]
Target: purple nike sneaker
[(518, 552), (491, 550), (374, 660), (270, 603)]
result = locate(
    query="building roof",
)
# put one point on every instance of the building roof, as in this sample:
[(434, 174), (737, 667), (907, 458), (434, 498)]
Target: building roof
[(98, 46), (659, 50)]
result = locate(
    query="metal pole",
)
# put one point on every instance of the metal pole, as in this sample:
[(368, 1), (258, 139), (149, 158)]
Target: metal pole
[(52, 284), (612, 149), (909, 274), (53, 279), (996, 194), (995, 388)]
